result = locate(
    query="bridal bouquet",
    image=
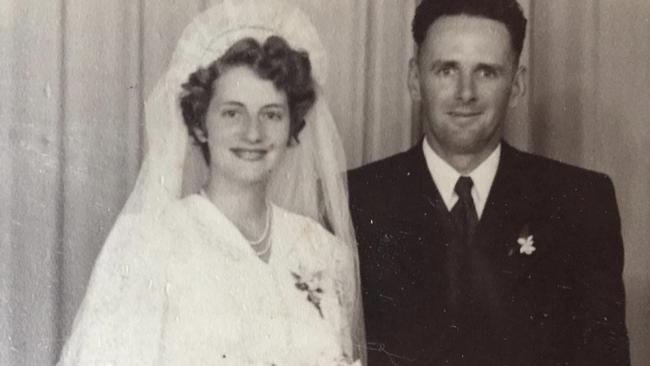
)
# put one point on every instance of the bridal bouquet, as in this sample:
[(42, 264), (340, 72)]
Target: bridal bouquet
[(315, 327), (308, 348), (302, 360), (327, 363), (335, 363)]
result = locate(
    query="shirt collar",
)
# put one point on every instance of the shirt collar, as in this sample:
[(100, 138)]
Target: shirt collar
[(445, 177)]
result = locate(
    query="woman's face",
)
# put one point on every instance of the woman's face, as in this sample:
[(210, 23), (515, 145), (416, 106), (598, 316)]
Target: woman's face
[(248, 127)]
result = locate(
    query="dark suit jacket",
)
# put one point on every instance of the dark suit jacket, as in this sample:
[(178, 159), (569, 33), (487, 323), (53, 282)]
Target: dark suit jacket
[(561, 305)]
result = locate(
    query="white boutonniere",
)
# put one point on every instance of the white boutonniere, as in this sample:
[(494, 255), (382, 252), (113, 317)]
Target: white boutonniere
[(310, 282), (526, 242), (526, 245)]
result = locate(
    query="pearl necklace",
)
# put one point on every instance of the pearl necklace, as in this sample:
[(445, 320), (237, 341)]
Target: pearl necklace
[(262, 245)]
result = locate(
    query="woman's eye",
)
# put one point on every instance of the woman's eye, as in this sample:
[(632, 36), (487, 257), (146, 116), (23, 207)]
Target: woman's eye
[(229, 113), (273, 115)]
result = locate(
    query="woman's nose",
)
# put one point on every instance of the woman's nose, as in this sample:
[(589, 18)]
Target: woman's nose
[(253, 131)]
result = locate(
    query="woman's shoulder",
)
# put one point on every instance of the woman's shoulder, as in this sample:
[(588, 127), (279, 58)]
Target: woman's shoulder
[(308, 234), (303, 226), (183, 215), (151, 231)]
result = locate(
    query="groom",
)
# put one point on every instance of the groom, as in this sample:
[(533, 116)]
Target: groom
[(472, 252)]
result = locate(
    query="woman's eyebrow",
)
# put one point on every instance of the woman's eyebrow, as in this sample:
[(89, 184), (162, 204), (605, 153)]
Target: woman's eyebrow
[(233, 103)]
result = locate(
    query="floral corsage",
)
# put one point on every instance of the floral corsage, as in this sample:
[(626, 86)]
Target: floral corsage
[(311, 284)]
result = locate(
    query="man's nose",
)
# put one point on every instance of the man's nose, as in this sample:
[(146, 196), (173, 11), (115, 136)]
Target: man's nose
[(466, 88)]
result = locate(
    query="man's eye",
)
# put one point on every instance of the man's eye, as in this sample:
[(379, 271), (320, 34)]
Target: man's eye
[(445, 71), (487, 73)]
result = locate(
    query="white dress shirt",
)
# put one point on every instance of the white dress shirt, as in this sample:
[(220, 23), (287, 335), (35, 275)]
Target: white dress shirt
[(445, 177)]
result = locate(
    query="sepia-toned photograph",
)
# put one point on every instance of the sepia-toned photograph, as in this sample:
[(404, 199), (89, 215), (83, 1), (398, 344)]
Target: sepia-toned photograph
[(324, 183)]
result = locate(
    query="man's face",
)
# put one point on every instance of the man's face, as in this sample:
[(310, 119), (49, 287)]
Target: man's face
[(466, 77)]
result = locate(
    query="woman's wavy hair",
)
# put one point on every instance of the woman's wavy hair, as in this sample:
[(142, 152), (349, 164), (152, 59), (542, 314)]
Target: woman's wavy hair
[(274, 60)]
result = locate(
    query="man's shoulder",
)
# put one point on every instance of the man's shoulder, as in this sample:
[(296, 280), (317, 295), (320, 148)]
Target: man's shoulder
[(390, 168), (546, 170), (551, 182)]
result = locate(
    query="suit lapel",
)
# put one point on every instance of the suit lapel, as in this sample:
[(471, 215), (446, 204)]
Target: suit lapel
[(429, 196), (509, 208), (418, 207), (420, 226), (510, 203)]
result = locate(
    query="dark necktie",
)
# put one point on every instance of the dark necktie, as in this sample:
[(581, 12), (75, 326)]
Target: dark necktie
[(464, 212), (465, 220), (470, 285)]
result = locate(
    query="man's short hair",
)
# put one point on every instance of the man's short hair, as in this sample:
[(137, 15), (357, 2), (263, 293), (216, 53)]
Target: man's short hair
[(507, 12)]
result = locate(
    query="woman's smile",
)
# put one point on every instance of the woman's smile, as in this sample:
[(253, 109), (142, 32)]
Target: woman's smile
[(247, 127), (250, 154)]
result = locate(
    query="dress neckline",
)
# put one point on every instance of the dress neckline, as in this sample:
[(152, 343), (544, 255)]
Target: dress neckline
[(212, 216)]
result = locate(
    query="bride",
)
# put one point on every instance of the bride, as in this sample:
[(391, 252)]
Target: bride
[(239, 271)]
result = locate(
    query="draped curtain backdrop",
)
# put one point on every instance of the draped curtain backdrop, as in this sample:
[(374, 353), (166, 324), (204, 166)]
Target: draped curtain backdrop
[(590, 105), (74, 75)]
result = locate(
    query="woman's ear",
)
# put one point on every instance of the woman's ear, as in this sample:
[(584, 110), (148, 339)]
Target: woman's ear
[(200, 135)]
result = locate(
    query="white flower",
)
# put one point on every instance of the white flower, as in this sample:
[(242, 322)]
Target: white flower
[(526, 245)]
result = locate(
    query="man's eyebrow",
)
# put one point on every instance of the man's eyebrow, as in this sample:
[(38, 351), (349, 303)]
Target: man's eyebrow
[(436, 64), (489, 66)]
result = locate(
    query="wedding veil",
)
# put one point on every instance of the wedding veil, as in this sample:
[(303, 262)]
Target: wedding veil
[(311, 178)]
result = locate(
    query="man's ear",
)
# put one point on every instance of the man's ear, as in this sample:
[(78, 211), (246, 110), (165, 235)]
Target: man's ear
[(414, 80), (200, 135), (519, 86)]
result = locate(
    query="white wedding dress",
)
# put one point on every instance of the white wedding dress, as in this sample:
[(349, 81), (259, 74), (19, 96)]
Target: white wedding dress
[(186, 288), (177, 284)]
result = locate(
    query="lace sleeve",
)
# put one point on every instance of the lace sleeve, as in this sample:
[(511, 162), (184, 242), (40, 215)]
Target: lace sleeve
[(348, 292), (118, 322)]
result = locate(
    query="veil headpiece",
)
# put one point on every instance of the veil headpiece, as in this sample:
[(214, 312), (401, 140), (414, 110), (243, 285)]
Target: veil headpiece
[(310, 179)]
